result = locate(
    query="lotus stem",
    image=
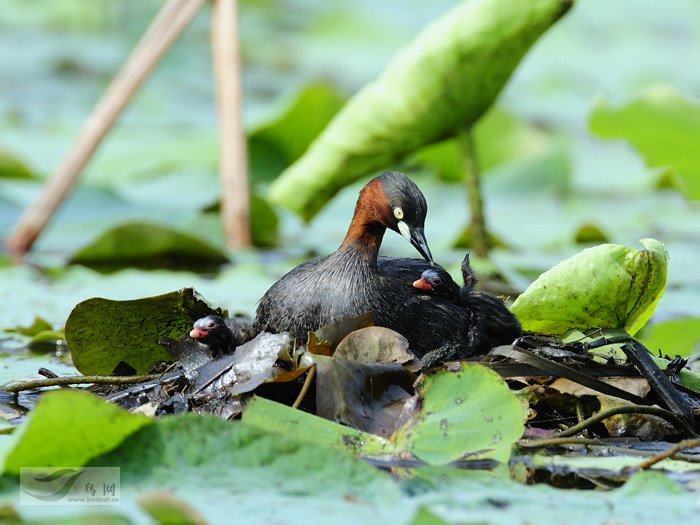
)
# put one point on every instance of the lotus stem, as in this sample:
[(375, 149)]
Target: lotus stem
[(472, 178)]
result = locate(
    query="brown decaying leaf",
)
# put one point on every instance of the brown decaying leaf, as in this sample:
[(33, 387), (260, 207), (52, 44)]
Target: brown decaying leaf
[(374, 344), (365, 396), (646, 427), (336, 331), (634, 385)]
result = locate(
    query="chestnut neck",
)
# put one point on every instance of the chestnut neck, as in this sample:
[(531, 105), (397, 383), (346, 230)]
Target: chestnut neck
[(368, 223)]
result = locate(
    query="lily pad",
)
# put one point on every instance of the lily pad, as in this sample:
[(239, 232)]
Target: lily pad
[(469, 412), (675, 337), (13, 168), (299, 118), (607, 286), (264, 223), (148, 245), (289, 422), (499, 137), (226, 472), (39, 325), (664, 125), (590, 233), (163, 507), (441, 83), (103, 333), (69, 428)]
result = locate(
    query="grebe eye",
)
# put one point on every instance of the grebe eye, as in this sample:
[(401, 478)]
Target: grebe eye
[(398, 213)]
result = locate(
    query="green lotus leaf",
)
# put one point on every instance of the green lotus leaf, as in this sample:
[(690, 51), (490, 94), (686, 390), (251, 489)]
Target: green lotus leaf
[(105, 334), (148, 245), (439, 84), (664, 126), (607, 286)]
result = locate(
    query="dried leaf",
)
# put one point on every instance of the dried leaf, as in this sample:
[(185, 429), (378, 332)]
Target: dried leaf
[(647, 427), (634, 385), (374, 344), (365, 396)]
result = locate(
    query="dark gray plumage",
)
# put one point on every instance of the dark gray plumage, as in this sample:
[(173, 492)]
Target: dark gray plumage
[(492, 324)]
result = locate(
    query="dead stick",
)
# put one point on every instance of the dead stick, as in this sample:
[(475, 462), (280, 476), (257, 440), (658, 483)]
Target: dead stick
[(233, 161), (19, 386), (305, 387), (671, 451), (559, 441), (162, 33)]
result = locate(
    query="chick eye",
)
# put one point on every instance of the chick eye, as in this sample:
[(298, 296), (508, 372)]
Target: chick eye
[(210, 325), (398, 213)]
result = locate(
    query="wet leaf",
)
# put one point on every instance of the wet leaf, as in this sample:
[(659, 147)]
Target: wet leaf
[(147, 245), (607, 286), (469, 412), (69, 428), (664, 125), (374, 344), (439, 84), (368, 396), (103, 333)]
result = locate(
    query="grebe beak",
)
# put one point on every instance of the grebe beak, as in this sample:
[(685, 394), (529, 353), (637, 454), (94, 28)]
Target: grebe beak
[(418, 241)]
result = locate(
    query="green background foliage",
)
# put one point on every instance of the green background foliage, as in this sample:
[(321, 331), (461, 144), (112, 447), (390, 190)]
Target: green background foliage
[(592, 139)]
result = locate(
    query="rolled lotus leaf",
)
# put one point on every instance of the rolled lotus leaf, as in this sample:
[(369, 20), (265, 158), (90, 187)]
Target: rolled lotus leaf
[(440, 83), (607, 286)]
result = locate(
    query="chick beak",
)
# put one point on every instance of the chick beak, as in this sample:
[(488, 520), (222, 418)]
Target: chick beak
[(422, 284), (196, 333), (419, 243)]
